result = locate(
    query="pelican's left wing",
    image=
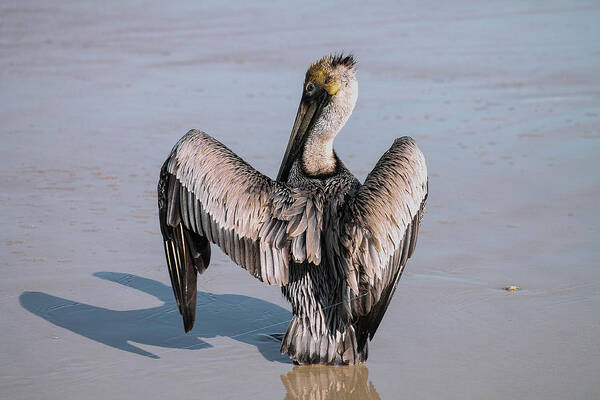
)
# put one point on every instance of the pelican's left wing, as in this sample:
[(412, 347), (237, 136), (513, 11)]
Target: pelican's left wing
[(382, 226), (206, 193)]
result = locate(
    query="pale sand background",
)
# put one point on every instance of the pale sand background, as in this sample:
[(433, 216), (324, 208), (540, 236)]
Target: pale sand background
[(504, 100)]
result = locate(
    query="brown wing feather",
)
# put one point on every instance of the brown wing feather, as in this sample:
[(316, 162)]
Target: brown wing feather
[(386, 213), (209, 194)]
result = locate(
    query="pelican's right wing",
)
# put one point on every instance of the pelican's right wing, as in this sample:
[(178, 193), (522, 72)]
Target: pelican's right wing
[(207, 193), (382, 232)]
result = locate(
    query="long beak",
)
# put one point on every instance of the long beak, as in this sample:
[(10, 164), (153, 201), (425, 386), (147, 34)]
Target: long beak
[(309, 111)]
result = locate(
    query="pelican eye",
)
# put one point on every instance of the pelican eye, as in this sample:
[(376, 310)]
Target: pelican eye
[(310, 88)]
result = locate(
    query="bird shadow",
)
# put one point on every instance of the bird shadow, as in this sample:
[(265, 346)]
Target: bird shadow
[(245, 319)]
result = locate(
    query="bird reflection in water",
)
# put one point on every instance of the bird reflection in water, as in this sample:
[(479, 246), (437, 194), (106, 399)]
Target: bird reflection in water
[(319, 382)]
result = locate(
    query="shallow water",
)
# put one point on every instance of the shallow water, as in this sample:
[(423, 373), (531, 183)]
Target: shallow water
[(503, 100)]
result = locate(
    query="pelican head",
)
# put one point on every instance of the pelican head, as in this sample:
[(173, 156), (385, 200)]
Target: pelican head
[(329, 95)]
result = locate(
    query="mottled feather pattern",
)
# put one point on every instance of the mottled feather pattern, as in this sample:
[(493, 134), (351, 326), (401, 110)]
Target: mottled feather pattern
[(338, 248), (386, 204), (241, 209), (383, 231)]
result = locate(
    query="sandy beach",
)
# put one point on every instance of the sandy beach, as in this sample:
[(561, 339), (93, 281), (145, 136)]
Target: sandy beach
[(503, 99)]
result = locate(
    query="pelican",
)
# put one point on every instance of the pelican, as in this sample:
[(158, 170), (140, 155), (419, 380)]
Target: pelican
[(335, 246)]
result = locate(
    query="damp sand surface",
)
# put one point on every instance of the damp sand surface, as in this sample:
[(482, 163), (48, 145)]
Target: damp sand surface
[(503, 99)]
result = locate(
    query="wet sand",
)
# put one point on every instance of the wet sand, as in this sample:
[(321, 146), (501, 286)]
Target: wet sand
[(503, 100)]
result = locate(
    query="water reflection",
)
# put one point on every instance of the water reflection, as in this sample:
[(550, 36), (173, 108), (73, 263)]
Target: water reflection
[(327, 382)]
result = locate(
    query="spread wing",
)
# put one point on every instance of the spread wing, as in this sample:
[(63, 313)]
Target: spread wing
[(383, 230), (206, 193)]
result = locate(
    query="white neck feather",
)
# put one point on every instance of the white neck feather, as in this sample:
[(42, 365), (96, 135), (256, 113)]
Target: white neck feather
[(317, 156)]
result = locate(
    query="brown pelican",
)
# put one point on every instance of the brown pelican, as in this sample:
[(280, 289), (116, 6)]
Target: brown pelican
[(336, 247)]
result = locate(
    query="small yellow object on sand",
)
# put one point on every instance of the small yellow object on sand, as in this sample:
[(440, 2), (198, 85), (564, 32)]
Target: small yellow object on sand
[(512, 288)]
